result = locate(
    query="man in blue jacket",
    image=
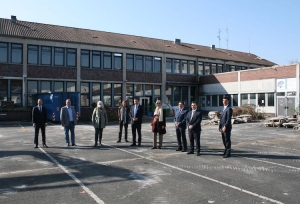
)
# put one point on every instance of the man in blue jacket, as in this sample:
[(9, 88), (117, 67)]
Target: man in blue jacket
[(180, 125), (225, 126)]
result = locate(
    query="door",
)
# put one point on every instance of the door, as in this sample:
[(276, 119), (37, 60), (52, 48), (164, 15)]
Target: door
[(145, 102), (284, 106)]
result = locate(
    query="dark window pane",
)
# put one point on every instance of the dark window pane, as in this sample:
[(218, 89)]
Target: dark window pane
[(71, 86), (59, 56), (176, 66), (138, 90), (148, 90), (169, 65), (214, 100), (184, 67), (118, 61), (96, 92), (270, 99), (85, 58), (200, 68), (192, 67), (129, 89), (3, 52), (221, 100), (33, 51), (3, 90), (149, 64), (261, 99), (244, 99), (107, 60), (96, 59), (213, 68), (219, 68), (71, 57), (118, 89), (207, 68), (16, 53), (46, 55), (235, 98), (157, 64), (129, 62), (106, 89), (139, 63), (45, 87), (253, 99), (32, 86), (58, 86)]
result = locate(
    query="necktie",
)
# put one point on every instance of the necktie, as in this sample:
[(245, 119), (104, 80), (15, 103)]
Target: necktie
[(135, 109), (192, 114), (40, 108)]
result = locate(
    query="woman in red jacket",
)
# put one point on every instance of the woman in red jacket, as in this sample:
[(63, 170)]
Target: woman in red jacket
[(158, 125)]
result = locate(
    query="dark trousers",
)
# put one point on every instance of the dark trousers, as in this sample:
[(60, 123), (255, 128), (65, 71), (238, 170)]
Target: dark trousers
[(227, 141), (194, 137), (136, 127), (36, 134), (121, 124), (181, 138), (71, 128), (98, 134)]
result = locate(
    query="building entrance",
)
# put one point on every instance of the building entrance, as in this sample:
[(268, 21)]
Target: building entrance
[(285, 106)]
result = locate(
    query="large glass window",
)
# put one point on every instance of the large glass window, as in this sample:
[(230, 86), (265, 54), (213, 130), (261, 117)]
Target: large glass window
[(208, 102), (96, 92), (31, 91), (191, 67), (213, 68), (129, 62), (270, 99), (85, 94), (3, 89), (45, 86), (71, 86), (219, 68), (107, 60), (33, 53), (16, 53), (157, 64), (58, 86), (85, 58), (3, 52), (244, 99), (71, 57), (46, 55), (118, 61), (207, 68), (261, 97), (129, 93), (232, 68), (138, 90), (184, 67), (176, 66), (200, 68), (148, 90), (253, 99), (214, 100), (16, 92), (169, 65), (221, 100), (117, 94), (59, 56), (107, 94), (169, 94), (227, 68), (96, 59), (177, 94), (184, 94), (149, 64), (235, 98), (139, 63)]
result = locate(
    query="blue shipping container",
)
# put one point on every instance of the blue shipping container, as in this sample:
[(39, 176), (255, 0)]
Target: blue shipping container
[(54, 101)]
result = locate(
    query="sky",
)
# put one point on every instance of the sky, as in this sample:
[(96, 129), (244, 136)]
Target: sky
[(267, 28)]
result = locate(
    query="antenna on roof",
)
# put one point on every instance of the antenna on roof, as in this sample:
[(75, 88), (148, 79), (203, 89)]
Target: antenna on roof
[(227, 37), (219, 36)]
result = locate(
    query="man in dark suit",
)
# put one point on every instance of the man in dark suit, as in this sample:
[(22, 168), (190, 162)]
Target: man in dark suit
[(193, 119), (39, 120), (225, 126), (136, 115), (180, 125)]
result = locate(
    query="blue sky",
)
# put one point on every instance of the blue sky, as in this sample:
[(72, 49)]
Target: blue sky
[(267, 28)]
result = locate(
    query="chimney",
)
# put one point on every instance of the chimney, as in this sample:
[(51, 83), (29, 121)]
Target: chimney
[(213, 47), (13, 19), (177, 41)]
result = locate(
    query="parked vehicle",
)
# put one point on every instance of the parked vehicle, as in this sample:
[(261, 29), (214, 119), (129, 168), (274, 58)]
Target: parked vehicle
[(54, 101)]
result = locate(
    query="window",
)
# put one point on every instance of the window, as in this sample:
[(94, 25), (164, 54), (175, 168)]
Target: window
[(221, 100), (169, 95), (58, 86), (46, 55), (129, 93), (191, 67), (139, 63), (118, 61), (107, 94), (261, 99), (45, 86), (184, 67), (85, 94), (184, 94), (270, 99), (3, 90), (244, 98), (149, 64), (16, 53), (16, 92), (177, 94), (207, 100), (207, 68), (33, 53), (235, 100), (148, 90), (96, 60), (59, 56), (107, 60), (253, 99), (3, 52), (169, 65), (71, 57), (281, 94), (157, 91), (129, 62), (31, 91), (157, 64), (213, 68), (200, 68), (117, 94), (96, 92), (71, 86), (227, 68), (214, 100), (138, 88), (219, 68), (232, 68), (176, 66), (85, 58)]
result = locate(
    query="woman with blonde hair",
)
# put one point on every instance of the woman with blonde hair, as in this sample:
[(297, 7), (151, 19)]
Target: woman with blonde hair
[(124, 119), (158, 124), (99, 120)]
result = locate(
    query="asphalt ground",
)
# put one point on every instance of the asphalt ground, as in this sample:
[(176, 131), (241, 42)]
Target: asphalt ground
[(264, 167)]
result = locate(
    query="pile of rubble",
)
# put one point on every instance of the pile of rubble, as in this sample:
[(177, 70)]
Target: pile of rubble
[(283, 122), (214, 116)]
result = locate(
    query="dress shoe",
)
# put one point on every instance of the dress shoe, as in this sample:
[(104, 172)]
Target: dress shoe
[(226, 156), (118, 141), (68, 144), (74, 144), (198, 154), (184, 150), (36, 146), (44, 145), (190, 152), (126, 140), (139, 144), (159, 147), (100, 144), (133, 144), (95, 145), (153, 147), (179, 149)]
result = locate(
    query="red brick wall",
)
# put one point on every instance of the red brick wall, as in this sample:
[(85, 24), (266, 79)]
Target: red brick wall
[(143, 77), (219, 78), (101, 74), (181, 78), (51, 72), (11, 70)]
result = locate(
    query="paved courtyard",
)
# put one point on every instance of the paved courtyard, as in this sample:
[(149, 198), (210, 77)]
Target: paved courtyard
[(264, 167)]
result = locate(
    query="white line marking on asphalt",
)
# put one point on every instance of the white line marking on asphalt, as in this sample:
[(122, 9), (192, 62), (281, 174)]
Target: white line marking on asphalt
[(96, 198), (21, 125), (291, 167), (204, 177)]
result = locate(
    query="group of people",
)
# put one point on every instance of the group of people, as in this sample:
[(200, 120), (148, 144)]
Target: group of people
[(183, 120)]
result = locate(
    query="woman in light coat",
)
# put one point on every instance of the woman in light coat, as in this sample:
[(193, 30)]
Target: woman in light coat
[(99, 120), (158, 125)]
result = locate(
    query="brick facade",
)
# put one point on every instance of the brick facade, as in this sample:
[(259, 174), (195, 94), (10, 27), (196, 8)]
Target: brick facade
[(143, 77), (101, 74), (181, 78), (51, 72), (11, 70)]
